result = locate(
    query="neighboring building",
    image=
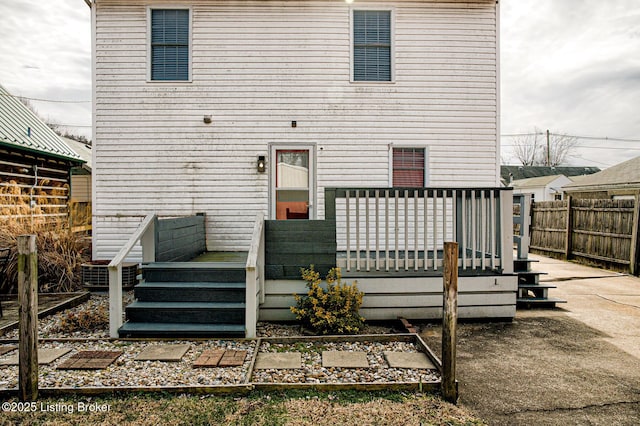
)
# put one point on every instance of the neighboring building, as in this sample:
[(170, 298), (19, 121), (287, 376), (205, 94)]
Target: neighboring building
[(509, 174), (236, 109), (81, 192), (617, 182), (35, 165), (543, 188)]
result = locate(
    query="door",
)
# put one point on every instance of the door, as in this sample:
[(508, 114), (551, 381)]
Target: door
[(292, 183)]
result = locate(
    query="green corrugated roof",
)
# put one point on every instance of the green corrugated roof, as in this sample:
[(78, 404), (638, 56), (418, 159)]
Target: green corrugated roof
[(21, 128)]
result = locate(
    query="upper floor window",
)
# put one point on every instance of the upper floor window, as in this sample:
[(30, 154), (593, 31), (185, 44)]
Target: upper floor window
[(409, 167), (170, 44), (371, 45)]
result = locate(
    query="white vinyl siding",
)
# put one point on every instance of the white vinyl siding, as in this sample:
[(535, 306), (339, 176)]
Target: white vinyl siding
[(257, 66)]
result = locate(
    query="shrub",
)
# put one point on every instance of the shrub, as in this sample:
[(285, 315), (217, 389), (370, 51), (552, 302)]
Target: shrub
[(330, 311), (88, 320)]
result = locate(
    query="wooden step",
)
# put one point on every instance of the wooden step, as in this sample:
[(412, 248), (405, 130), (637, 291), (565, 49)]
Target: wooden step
[(180, 330), (523, 265), (186, 312), (534, 286), (538, 301), (529, 277), (194, 272), (190, 292)]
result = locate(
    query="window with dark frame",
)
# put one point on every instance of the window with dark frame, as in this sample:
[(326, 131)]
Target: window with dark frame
[(371, 45), (408, 167), (170, 44)]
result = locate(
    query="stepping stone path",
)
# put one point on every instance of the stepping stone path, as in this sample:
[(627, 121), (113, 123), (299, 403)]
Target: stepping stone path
[(167, 353), (90, 360), (413, 360), (344, 359), (45, 356), (7, 349), (220, 358), (278, 360)]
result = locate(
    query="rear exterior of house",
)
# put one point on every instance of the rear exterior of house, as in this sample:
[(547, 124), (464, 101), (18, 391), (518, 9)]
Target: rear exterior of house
[(303, 111)]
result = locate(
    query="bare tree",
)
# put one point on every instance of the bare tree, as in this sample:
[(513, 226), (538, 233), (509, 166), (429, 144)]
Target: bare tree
[(543, 148)]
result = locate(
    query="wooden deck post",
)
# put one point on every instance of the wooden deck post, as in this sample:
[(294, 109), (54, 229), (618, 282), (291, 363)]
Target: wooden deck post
[(634, 261), (28, 318), (568, 241), (449, 322)]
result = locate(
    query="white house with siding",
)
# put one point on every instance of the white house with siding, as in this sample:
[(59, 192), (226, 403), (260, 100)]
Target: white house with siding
[(240, 108)]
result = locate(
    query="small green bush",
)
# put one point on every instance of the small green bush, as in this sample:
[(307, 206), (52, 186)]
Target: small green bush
[(330, 311)]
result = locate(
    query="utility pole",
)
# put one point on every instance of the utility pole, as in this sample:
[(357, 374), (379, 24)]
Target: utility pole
[(548, 150)]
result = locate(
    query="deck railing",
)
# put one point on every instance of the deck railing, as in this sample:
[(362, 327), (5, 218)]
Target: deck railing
[(404, 229), (255, 276)]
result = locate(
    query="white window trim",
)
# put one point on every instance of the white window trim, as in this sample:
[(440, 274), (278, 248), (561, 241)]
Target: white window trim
[(426, 161), (148, 49), (393, 42), (313, 190)]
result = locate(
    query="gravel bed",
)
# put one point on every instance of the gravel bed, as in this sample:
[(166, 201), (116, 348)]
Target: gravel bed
[(126, 372), (312, 370)]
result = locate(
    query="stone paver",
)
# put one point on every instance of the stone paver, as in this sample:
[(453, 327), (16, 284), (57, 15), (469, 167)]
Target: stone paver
[(344, 359), (45, 356), (413, 360), (167, 353), (209, 358), (90, 360), (7, 349), (232, 359), (278, 360)]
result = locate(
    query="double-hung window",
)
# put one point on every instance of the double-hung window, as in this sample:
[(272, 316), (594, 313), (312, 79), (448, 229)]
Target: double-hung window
[(371, 45), (409, 167), (169, 44)]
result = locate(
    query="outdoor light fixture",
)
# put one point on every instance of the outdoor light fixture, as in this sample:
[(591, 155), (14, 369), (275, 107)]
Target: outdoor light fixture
[(262, 167), (294, 123), (207, 119)]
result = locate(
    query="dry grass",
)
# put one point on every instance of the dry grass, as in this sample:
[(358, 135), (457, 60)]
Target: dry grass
[(60, 251)]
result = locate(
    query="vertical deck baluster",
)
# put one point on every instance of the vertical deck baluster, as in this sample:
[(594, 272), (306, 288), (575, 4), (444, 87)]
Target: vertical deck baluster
[(426, 229), (463, 215), (348, 214), (444, 216), (377, 192), (415, 230), (367, 243), (357, 195), (454, 213), (406, 230), (435, 230), (474, 229), (397, 230), (483, 224), (386, 230), (492, 229)]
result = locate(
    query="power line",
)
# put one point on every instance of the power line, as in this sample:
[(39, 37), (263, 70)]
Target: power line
[(45, 100), (595, 138), (617, 148)]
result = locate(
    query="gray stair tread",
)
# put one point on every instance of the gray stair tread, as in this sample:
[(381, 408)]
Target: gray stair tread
[(192, 285), (530, 273), (536, 286), (186, 305), (194, 265), (185, 327), (539, 300)]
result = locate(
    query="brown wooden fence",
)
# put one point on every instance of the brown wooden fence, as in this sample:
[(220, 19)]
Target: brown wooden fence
[(598, 232)]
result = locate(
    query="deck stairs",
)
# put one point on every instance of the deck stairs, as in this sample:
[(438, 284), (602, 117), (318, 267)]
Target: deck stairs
[(187, 300), (531, 292)]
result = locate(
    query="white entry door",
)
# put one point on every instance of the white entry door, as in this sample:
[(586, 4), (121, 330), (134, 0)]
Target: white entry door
[(292, 183)]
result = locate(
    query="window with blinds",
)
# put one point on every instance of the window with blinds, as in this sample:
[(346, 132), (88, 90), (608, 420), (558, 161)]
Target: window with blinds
[(371, 45), (170, 44), (408, 167)]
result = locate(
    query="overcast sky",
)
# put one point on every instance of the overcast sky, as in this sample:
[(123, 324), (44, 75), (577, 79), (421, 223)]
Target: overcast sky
[(570, 66)]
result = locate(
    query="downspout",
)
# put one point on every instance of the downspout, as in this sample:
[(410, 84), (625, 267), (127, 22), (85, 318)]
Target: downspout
[(32, 202)]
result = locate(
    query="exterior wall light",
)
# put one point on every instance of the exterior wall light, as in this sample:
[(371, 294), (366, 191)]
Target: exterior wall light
[(262, 164), (207, 119)]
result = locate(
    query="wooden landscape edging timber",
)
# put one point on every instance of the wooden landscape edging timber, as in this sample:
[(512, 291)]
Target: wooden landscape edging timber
[(594, 231)]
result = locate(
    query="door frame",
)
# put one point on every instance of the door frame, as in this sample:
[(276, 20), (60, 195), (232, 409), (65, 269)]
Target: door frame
[(311, 147)]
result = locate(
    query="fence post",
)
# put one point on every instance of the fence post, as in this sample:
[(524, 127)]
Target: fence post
[(568, 240), (449, 322), (28, 318), (635, 247)]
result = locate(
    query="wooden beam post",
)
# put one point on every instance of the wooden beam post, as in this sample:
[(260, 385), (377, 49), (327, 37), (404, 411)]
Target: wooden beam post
[(449, 322), (568, 240), (634, 261), (28, 318)]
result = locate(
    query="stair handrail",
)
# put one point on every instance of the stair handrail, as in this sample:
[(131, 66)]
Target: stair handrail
[(145, 233), (254, 276)]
